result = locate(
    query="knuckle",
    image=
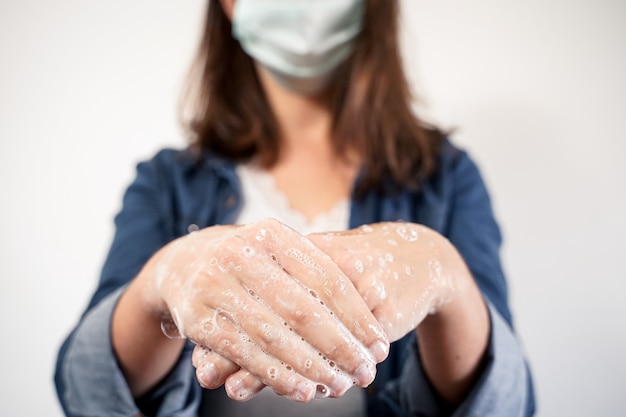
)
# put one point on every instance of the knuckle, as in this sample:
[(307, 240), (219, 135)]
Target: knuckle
[(205, 279), (351, 262), (274, 229), (227, 250), (269, 223), (271, 336), (200, 355), (303, 319), (386, 316), (340, 349), (262, 229)]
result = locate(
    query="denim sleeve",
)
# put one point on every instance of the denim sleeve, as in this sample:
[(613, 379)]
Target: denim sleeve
[(87, 377), (474, 231), (501, 390), (95, 386)]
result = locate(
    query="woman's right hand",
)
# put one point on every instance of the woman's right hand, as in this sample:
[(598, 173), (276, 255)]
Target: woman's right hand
[(265, 298)]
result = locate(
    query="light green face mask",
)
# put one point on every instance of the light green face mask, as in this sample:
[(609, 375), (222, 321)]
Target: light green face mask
[(300, 42)]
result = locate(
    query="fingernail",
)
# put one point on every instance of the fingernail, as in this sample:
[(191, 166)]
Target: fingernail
[(380, 350), (234, 385), (207, 374), (341, 384), (304, 392), (365, 374), (242, 394)]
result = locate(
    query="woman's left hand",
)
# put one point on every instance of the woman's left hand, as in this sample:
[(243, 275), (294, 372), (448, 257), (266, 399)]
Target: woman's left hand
[(399, 269)]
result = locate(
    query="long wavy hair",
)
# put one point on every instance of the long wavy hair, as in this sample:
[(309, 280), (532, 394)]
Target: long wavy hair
[(225, 111)]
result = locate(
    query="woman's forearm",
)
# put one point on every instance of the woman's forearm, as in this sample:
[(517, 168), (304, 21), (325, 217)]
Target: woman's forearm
[(453, 341), (144, 353)]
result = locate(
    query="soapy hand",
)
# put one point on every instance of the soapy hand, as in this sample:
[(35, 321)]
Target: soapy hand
[(397, 268), (264, 299)]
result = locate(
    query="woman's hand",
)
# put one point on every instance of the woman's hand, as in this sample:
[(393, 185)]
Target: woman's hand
[(411, 277), (265, 298), (399, 271)]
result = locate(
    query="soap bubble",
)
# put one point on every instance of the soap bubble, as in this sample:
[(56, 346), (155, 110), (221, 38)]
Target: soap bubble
[(407, 233)]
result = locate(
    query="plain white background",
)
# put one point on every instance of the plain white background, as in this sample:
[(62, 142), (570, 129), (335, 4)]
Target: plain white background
[(537, 90)]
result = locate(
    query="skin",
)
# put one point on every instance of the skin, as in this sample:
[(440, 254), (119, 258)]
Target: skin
[(423, 287), (413, 280), (259, 295), (371, 306)]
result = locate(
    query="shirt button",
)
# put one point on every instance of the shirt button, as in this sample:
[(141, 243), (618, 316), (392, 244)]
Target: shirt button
[(193, 228), (231, 201)]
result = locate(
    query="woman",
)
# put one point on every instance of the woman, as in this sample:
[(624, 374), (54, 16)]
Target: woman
[(315, 236)]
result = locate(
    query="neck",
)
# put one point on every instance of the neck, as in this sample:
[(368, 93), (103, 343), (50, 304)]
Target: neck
[(303, 120), (309, 171)]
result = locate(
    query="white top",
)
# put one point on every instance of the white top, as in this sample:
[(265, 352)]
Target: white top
[(262, 200)]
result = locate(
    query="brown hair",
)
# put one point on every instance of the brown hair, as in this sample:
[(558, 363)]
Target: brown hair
[(371, 102)]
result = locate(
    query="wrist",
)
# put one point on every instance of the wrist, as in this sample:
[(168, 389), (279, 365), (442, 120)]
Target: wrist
[(453, 280), (453, 339), (145, 355)]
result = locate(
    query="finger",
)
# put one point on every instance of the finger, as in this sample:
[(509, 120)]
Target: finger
[(306, 317), (317, 272), (394, 290), (212, 369), (336, 291), (302, 313), (251, 255), (240, 349), (247, 333), (368, 268), (242, 386)]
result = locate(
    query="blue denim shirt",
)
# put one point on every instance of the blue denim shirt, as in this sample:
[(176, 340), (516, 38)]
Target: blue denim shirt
[(174, 190)]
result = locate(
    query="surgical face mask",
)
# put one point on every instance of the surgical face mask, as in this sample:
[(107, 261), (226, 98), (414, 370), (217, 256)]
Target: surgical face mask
[(300, 42)]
